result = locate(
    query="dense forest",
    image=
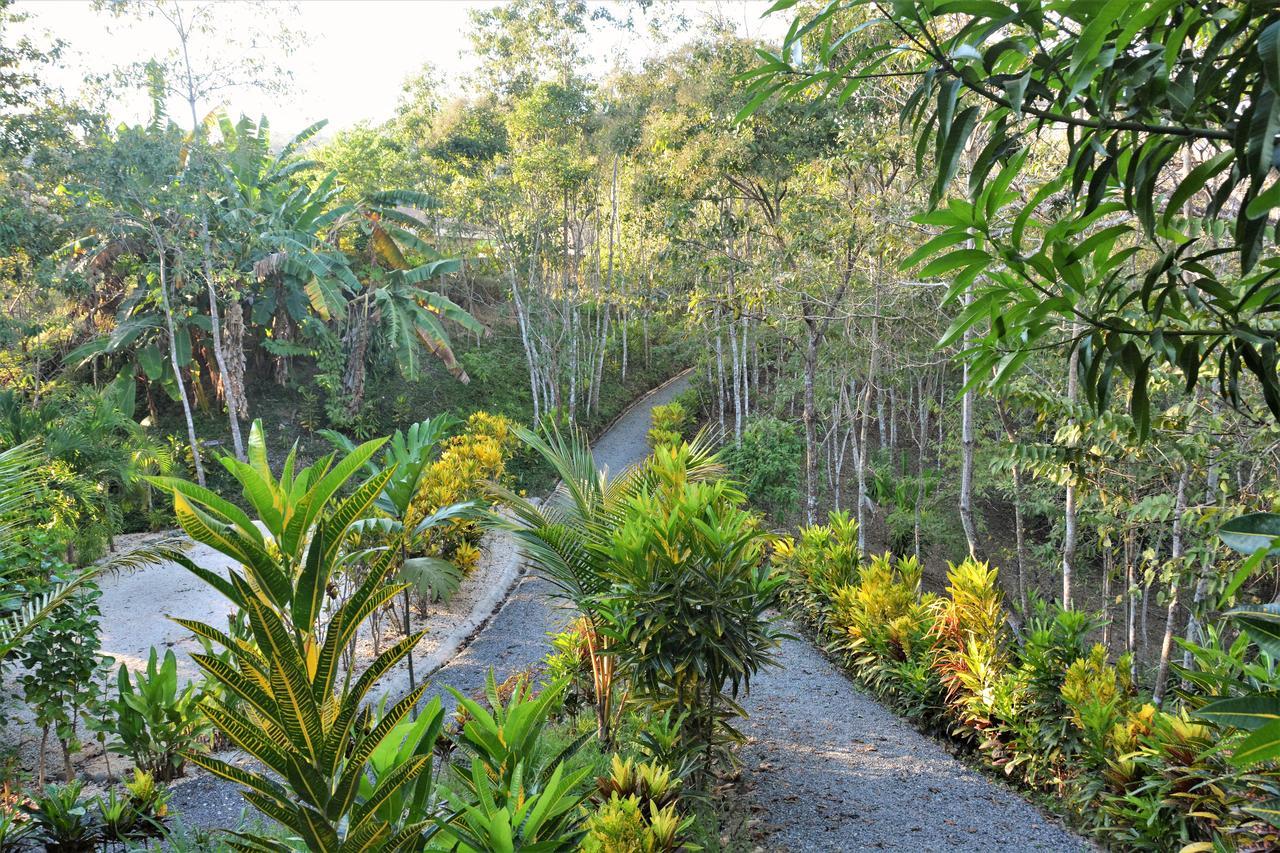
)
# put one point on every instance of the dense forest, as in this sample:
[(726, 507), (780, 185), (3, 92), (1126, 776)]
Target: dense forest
[(961, 320)]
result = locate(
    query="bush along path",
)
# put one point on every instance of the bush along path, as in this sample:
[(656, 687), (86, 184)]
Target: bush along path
[(517, 636), (830, 768)]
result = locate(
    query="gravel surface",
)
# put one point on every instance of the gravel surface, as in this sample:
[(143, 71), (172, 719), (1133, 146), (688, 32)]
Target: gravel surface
[(830, 768)]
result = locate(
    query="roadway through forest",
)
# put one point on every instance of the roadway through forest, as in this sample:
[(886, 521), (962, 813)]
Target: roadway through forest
[(827, 768)]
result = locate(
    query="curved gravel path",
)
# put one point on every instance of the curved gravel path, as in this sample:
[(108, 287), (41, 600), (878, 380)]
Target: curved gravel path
[(514, 638), (827, 767), (830, 768)]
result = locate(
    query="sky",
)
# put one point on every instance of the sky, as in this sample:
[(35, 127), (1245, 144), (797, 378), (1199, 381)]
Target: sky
[(352, 55)]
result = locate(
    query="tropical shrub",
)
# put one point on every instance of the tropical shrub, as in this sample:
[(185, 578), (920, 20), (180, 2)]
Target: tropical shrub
[(62, 818), (970, 650), (667, 424), (625, 825), (156, 723), (62, 663), (514, 793), (301, 718), (1033, 735), (823, 559), (137, 812), (468, 464), (567, 538), (767, 461), (1046, 707), (884, 626), (687, 605)]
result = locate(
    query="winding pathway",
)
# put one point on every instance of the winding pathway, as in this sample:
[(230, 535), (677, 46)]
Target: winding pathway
[(827, 767)]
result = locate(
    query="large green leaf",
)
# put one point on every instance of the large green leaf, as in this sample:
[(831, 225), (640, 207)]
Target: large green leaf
[(1252, 532), (432, 576), (1243, 712)]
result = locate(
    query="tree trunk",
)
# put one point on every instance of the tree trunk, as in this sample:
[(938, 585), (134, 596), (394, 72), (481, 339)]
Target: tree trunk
[(873, 370), (1175, 557), (173, 362), (230, 391), (967, 446), (1069, 511), (1019, 534), (1131, 604), (810, 428)]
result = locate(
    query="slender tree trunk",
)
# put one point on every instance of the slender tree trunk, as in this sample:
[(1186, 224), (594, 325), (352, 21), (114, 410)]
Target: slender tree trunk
[(810, 430), (1018, 528), (173, 361), (873, 370), (229, 390), (1175, 556), (1107, 568), (1069, 512), (967, 446), (720, 384), (1131, 604)]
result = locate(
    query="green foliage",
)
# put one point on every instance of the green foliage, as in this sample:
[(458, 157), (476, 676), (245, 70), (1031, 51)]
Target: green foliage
[(687, 607), (971, 653), (767, 461), (140, 811), (516, 794), (1046, 708), (156, 723), (623, 825), (407, 744), (60, 657), (310, 727), (567, 538), (668, 424), (93, 456), (62, 818), (1135, 268), (824, 559), (545, 820)]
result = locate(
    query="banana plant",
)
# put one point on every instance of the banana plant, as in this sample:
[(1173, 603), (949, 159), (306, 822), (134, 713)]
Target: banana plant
[(299, 715)]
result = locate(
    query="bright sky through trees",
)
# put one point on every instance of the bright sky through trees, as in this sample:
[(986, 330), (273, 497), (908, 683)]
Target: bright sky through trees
[(352, 55)]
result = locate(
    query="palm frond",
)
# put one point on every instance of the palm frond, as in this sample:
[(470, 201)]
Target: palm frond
[(17, 488)]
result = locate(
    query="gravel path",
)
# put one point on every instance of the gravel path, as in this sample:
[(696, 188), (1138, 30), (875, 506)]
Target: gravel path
[(830, 768)]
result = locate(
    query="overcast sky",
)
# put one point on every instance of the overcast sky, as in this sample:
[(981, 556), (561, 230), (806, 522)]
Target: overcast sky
[(353, 58)]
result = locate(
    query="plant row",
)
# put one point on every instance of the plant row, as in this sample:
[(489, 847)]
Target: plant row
[(1045, 706)]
